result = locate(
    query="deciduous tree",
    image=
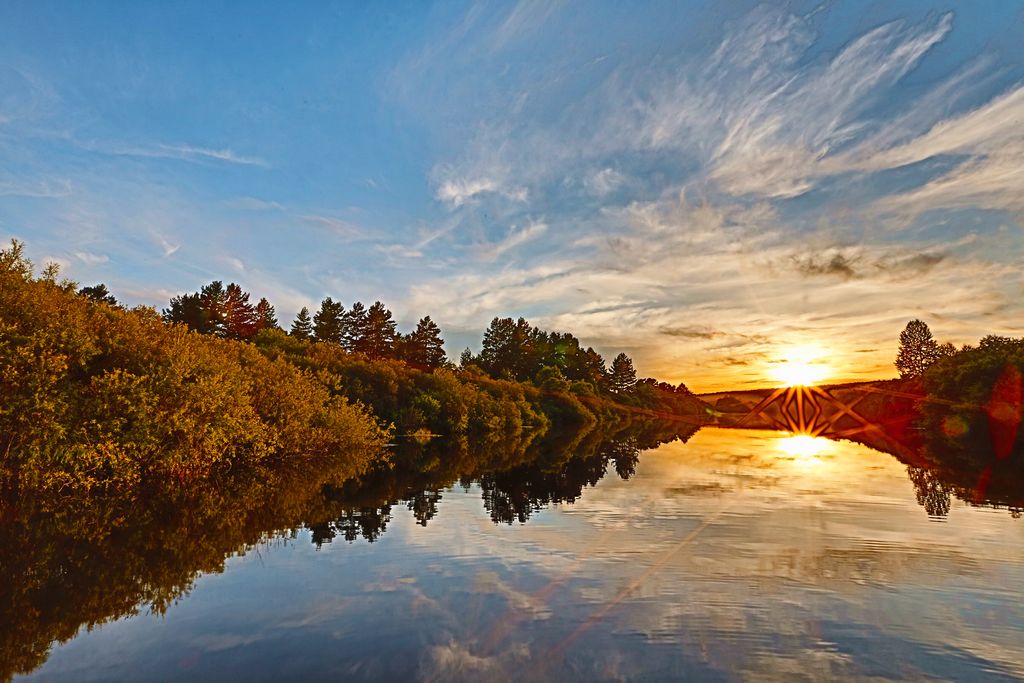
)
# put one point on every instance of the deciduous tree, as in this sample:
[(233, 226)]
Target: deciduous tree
[(918, 349), (622, 378)]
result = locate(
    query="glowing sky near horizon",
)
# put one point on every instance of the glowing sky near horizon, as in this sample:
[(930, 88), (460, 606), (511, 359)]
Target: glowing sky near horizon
[(706, 187)]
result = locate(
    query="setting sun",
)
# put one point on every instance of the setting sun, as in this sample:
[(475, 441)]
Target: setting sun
[(802, 366)]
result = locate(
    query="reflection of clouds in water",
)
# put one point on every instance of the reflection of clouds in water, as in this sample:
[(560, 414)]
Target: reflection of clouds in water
[(454, 662), (821, 573), (795, 548)]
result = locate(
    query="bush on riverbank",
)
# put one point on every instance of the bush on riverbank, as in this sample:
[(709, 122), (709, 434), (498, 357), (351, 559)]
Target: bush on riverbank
[(100, 398)]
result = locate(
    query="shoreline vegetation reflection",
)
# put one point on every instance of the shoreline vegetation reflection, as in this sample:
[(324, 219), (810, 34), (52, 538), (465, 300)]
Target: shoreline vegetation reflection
[(143, 451)]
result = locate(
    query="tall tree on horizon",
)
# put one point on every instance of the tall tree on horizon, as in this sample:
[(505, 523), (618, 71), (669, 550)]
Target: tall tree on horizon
[(354, 327), (328, 321), (213, 298), (240, 320), (509, 349), (917, 351), (266, 316), (302, 326), (425, 347), (98, 293), (187, 309), (622, 378), (380, 336)]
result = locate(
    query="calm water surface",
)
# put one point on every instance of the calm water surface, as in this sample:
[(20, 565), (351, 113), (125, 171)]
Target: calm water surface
[(740, 555)]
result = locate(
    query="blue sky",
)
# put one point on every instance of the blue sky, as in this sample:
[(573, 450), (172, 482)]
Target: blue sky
[(711, 187)]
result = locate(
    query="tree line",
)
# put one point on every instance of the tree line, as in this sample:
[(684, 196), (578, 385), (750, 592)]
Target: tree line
[(102, 398), (511, 349)]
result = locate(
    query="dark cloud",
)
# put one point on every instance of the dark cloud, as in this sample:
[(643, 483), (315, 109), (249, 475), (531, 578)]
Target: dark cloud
[(912, 264), (838, 264), (690, 332)]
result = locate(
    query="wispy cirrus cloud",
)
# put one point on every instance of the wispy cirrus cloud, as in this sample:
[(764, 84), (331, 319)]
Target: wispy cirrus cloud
[(91, 259), (337, 226), (183, 152), (515, 238), (49, 188)]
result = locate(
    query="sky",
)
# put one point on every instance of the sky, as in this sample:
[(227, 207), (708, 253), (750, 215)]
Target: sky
[(713, 188)]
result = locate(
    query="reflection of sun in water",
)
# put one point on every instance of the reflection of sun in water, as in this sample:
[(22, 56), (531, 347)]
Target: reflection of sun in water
[(805, 449), (801, 366)]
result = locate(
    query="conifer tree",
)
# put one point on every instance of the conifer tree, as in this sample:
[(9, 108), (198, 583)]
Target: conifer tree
[(328, 321), (98, 293), (425, 348), (240, 319), (212, 299), (188, 309), (266, 316), (379, 340), (302, 327), (355, 327)]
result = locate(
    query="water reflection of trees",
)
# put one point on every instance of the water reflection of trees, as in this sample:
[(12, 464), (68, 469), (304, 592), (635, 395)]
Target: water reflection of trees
[(83, 563), (80, 563), (969, 470)]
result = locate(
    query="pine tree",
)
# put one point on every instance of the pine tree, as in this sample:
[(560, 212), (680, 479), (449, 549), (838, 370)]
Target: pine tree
[(425, 348), (240, 319), (302, 327), (379, 341), (212, 299), (328, 321), (623, 377), (98, 293), (188, 309), (466, 359), (918, 349), (511, 349), (355, 328), (266, 316)]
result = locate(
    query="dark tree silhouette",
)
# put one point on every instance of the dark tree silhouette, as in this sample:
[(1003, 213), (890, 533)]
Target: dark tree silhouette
[(328, 323), (931, 492), (302, 327), (266, 316), (379, 340), (214, 298), (355, 327), (98, 293), (622, 378), (424, 347), (918, 349), (423, 505), (188, 309), (508, 349)]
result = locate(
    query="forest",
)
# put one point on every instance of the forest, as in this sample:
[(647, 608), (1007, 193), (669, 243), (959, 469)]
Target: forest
[(102, 398)]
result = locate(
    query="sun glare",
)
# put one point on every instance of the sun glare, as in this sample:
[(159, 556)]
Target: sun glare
[(803, 445), (802, 366)]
